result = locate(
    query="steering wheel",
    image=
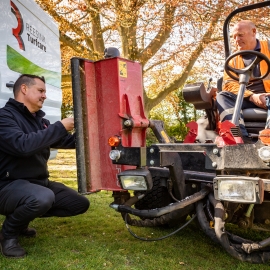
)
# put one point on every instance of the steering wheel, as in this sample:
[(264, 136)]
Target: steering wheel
[(248, 69)]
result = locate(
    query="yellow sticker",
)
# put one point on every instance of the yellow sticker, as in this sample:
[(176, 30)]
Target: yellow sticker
[(122, 69), (164, 136)]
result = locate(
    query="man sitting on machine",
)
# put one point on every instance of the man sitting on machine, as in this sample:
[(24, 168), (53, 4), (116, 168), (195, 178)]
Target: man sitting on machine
[(244, 34)]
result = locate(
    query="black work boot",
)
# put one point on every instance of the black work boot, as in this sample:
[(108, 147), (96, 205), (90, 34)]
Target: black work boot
[(11, 248), (28, 232)]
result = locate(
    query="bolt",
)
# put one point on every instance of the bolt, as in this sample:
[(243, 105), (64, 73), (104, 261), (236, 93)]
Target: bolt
[(215, 151), (152, 162), (152, 150), (242, 224), (193, 185), (128, 123), (267, 221), (214, 164)]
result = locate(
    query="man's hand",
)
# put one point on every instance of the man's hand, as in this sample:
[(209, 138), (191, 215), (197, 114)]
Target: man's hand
[(68, 123), (259, 99)]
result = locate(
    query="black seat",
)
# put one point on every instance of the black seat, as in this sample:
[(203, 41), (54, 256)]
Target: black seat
[(255, 115), (196, 93), (255, 119)]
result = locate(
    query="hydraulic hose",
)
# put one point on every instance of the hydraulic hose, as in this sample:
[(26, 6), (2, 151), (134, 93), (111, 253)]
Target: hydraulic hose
[(204, 223), (159, 238), (153, 213), (246, 251)]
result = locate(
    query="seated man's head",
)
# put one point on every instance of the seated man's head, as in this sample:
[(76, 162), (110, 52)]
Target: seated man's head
[(244, 34), (31, 91)]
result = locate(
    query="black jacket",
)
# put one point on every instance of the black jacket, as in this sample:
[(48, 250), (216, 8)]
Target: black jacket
[(25, 142)]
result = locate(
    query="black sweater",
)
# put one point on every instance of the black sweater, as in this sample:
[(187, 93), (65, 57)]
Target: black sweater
[(25, 142)]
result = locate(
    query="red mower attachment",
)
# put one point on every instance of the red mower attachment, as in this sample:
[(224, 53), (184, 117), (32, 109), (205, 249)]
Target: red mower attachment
[(108, 110)]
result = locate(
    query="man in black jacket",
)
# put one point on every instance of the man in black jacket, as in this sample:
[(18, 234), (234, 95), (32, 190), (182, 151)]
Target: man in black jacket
[(25, 141)]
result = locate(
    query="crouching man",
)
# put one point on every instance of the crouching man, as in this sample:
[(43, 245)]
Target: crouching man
[(25, 140)]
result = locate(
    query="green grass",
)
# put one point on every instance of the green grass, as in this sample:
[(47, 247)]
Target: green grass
[(99, 239)]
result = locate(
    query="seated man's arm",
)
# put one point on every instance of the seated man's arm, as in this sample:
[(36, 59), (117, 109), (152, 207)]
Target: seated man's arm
[(259, 100), (232, 86)]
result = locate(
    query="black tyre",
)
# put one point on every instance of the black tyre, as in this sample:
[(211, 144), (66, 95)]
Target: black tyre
[(158, 197)]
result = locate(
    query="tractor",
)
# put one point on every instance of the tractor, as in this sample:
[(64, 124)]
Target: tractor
[(212, 176)]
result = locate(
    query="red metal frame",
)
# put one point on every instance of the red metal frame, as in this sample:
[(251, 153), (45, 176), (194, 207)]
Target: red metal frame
[(192, 132), (114, 93)]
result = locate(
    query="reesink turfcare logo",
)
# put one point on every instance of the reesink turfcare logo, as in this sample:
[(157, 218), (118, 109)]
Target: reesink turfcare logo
[(19, 30), (33, 35), (28, 33)]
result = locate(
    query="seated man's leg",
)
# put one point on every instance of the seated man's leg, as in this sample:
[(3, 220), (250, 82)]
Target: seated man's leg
[(21, 202), (225, 105), (67, 201)]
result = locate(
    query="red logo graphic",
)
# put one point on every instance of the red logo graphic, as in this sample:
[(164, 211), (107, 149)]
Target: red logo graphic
[(17, 31)]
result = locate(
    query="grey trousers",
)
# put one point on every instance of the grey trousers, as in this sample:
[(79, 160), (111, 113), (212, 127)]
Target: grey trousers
[(225, 105)]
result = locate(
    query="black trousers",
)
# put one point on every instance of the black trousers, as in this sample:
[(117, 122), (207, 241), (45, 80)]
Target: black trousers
[(225, 105), (22, 201)]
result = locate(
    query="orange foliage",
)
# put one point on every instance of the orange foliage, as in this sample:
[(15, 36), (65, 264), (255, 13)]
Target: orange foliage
[(168, 37)]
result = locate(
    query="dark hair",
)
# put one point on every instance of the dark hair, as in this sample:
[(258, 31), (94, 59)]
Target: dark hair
[(27, 79)]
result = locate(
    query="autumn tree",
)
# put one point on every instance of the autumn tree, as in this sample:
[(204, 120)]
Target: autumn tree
[(166, 36)]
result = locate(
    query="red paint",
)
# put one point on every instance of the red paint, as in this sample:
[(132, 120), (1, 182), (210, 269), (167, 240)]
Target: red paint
[(111, 99), (225, 133), (192, 133), (19, 29)]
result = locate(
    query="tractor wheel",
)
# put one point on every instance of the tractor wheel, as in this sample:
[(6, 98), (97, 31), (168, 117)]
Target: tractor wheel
[(159, 197)]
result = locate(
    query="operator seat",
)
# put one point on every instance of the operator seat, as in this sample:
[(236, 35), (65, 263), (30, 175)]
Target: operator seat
[(203, 98), (255, 118)]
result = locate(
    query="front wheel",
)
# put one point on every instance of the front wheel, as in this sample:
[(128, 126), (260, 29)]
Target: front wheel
[(159, 197)]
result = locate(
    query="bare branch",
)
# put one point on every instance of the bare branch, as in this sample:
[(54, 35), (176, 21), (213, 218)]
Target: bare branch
[(76, 46), (162, 35), (180, 80)]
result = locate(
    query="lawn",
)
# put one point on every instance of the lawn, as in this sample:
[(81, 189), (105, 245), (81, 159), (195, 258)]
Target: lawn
[(99, 239)]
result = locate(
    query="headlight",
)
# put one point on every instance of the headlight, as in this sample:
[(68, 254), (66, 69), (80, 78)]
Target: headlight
[(139, 179), (239, 189)]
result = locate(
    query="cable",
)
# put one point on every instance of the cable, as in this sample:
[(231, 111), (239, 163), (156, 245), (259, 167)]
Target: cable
[(160, 238), (208, 210)]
